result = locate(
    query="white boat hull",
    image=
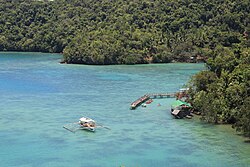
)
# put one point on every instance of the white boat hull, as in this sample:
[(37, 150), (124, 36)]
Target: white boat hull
[(92, 129)]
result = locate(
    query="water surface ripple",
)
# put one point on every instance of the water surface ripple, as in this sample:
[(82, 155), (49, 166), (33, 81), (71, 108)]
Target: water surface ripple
[(39, 96)]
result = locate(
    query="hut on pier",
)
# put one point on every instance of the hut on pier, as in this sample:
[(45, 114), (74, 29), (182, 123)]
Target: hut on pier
[(181, 109)]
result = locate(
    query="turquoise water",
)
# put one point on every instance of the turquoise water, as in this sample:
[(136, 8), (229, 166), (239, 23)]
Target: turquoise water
[(39, 96)]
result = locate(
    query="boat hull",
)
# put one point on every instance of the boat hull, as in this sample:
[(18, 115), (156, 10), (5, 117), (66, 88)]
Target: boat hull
[(92, 129)]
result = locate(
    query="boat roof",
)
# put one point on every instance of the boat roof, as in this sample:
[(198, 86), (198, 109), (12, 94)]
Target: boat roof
[(85, 119)]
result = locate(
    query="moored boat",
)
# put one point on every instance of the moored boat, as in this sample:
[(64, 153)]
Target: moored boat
[(149, 101), (84, 123), (87, 124)]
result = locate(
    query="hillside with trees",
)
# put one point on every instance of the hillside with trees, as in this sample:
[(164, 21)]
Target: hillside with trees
[(146, 31), (124, 31)]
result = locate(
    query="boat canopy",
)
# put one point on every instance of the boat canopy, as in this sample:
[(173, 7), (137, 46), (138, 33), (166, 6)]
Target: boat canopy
[(178, 103), (83, 119)]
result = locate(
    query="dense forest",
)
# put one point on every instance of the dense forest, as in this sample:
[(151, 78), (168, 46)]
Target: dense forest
[(222, 93), (123, 31), (146, 31)]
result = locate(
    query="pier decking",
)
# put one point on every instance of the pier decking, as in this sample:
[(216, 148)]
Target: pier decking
[(146, 97)]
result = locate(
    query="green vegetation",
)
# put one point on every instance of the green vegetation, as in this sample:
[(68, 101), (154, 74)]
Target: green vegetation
[(123, 31), (146, 31), (222, 92)]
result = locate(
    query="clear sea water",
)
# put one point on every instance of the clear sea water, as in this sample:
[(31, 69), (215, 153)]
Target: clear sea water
[(39, 96)]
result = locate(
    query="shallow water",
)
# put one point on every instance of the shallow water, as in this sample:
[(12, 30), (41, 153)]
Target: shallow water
[(39, 96)]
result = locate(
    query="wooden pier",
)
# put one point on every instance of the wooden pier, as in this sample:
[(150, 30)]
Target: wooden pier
[(139, 101), (146, 97), (162, 95)]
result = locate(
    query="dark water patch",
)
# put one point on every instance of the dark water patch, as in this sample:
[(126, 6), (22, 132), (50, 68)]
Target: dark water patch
[(126, 139), (128, 129), (146, 138), (140, 153), (57, 142), (183, 149), (90, 165), (32, 161), (247, 141), (172, 161)]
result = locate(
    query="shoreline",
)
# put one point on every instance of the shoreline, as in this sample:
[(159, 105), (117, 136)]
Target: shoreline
[(225, 127), (62, 61)]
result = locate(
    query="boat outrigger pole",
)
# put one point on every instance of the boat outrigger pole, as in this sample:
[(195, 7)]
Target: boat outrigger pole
[(73, 131)]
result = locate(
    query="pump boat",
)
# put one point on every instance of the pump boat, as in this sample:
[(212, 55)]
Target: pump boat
[(87, 124), (84, 123)]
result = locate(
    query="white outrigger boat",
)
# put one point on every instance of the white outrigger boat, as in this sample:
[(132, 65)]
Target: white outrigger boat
[(84, 123), (87, 124)]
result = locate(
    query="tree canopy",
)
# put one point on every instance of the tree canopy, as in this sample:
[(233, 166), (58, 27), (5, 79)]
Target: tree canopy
[(222, 92), (123, 31), (146, 31)]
